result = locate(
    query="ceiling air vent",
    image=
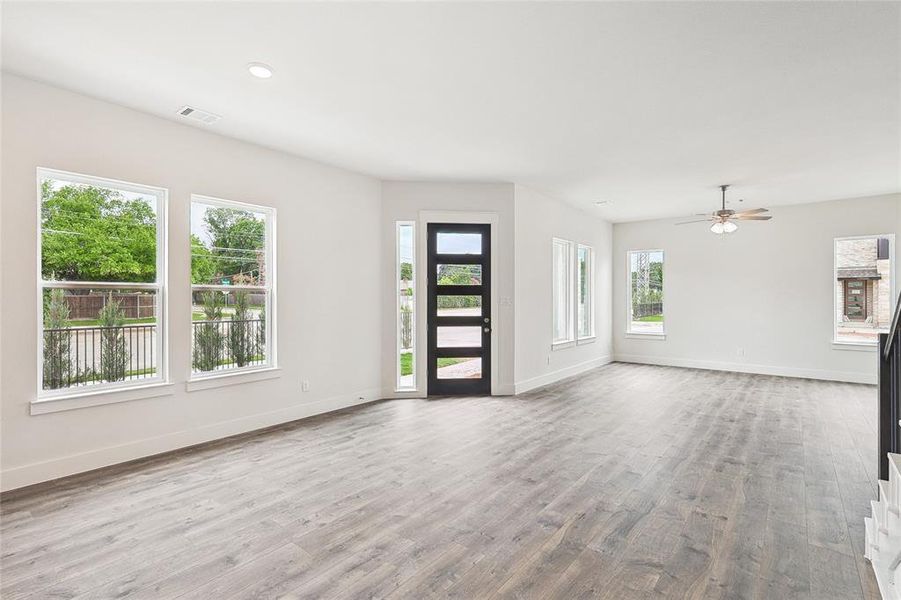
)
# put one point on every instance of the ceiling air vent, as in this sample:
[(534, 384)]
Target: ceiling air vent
[(195, 114)]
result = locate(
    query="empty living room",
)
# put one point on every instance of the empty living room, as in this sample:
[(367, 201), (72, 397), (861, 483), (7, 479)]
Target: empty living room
[(476, 300)]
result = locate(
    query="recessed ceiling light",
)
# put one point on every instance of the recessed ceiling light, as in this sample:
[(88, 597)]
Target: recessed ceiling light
[(263, 71)]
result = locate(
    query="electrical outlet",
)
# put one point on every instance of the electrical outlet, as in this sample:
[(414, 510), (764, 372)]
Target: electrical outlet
[(305, 385), (740, 351)]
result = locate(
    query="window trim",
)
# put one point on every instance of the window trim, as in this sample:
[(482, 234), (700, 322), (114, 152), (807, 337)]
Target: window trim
[(270, 286), (589, 300), (397, 328), (160, 286), (860, 345), (569, 300), (656, 335)]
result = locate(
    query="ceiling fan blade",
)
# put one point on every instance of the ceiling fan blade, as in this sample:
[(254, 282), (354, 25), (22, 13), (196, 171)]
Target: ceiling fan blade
[(695, 221), (751, 217), (753, 211)]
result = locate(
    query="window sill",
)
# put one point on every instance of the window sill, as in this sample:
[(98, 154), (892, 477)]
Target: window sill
[(586, 340), (214, 381), (75, 400), (563, 345), (855, 346), (645, 336)]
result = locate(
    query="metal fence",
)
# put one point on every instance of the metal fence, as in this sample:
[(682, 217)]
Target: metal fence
[(218, 345), (647, 309), (80, 356)]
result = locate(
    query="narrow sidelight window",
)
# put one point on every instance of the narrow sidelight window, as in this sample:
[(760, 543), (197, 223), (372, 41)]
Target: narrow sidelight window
[(585, 292), (232, 286), (101, 283), (863, 285), (562, 291), (645, 287), (406, 305)]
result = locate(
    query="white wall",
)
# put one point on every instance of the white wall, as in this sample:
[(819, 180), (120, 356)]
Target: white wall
[(539, 219), (329, 287), (766, 291), (406, 201)]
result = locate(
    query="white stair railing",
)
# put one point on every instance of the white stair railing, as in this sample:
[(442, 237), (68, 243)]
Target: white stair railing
[(883, 532)]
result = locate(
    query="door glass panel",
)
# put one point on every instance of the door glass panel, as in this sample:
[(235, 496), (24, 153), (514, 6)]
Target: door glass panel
[(459, 243), (459, 337), (459, 368), (459, 306), (459, 274)]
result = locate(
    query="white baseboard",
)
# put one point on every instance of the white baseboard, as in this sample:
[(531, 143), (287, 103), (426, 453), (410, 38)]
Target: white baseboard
[(30, 474), (713, 365), (554, 376)]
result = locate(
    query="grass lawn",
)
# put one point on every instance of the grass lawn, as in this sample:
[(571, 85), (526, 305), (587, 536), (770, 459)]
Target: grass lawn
[(406, 362), (651, 319)]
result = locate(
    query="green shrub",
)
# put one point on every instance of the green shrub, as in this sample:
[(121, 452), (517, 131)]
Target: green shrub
[(240, 333), (406, 327), (208, 338), (57, 369), (114, 353)]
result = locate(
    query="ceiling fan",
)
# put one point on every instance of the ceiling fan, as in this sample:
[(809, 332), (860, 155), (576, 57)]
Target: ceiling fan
[(724, 219)]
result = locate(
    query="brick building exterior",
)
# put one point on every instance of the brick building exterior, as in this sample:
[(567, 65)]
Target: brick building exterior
[(863, 284)]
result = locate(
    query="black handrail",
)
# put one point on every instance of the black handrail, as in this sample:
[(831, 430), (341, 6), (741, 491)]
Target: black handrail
[(889, 392), (893, 329)]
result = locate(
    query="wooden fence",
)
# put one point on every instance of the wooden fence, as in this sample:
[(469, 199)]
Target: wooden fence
[(133, 306)]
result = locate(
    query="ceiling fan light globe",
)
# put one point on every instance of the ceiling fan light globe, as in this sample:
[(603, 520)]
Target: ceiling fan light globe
[(717, 228), (729, 227)]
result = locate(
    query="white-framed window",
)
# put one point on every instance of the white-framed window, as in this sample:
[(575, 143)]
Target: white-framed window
[(864, 288), (585, 292), (232, 287), (563, 256), (405, 275), (101, 284), (645, 286)]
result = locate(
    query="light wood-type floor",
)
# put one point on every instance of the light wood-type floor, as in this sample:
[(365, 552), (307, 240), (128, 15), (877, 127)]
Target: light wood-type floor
[(631, 481)]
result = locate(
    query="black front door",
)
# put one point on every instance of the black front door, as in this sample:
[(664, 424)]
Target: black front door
[(459, 313)]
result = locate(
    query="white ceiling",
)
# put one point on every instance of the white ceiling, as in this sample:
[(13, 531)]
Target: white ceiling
[(649, 106)]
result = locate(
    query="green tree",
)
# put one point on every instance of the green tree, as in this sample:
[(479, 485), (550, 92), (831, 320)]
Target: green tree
[(238, 239), (656, 275), (114, 354), (203, 264), (208, 338), (96, 234), (406, 271), (57, 355)]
